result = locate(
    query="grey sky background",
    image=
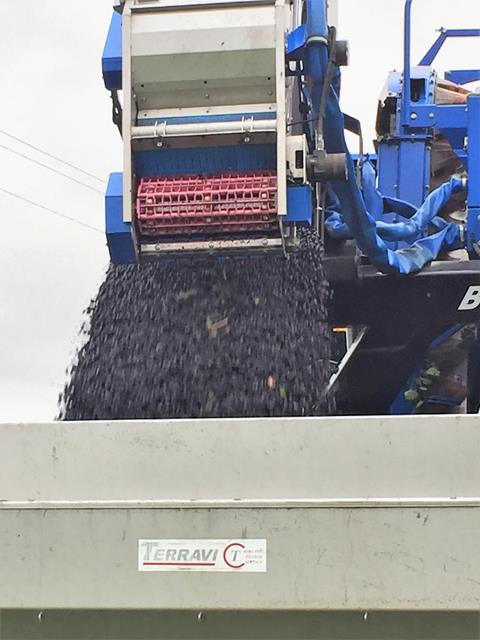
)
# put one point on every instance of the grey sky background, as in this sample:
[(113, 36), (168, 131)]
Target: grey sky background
[(53, 97)]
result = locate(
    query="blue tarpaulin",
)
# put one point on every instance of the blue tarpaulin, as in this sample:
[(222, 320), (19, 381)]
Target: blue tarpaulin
[(411, 224)]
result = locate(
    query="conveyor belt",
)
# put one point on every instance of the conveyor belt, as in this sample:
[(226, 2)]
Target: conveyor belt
[(232, 202)]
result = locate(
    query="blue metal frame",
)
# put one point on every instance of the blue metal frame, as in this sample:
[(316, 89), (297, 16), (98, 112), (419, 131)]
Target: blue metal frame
[(439, 116), (473, 220), (296, 41), (299, 204), (462, 76), (112, 55), (404, 159), (399, 157), (456, 122), (432, 53), (404, 168), (119, 233)]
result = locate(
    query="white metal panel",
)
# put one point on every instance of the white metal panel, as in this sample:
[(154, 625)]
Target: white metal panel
[(185, 112), (261, 458), (204, 56), (203, 31), (358, 513), (317, 559)]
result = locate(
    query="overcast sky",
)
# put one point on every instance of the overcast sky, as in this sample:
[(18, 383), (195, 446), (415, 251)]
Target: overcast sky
[(53, 97)]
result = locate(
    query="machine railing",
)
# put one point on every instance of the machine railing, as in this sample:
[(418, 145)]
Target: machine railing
[(464, 117), (428, 115)]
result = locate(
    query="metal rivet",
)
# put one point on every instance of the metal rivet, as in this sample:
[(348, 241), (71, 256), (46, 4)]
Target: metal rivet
[(431, 115), (200, 616), (40, 616), (365, 616), (413, 116), (207, 95)]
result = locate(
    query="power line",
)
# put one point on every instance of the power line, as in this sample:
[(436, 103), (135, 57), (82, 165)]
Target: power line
[(57, 213), (46, 166), (51, 155)]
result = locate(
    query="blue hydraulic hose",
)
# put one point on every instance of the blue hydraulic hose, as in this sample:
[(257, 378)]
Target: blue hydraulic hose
[(410, 229), (316, 49)]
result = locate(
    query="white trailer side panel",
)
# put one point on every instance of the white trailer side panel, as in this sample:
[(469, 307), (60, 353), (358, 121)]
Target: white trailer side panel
[(362, 514)]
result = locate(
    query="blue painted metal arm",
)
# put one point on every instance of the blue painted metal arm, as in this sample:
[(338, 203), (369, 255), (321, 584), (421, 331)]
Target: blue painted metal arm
[(473, 221), (462, 76), (432, 53), (407, 36)]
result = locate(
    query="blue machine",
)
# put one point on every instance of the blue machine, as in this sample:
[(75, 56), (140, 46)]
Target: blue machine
[(188, 130), (415, 119), (409, 120)]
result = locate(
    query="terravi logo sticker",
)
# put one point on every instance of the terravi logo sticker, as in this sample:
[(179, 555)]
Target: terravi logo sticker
[(203, 555), (471, 299)]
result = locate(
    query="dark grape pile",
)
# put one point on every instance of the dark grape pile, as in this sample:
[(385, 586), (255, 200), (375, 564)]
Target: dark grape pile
[(234, 337)]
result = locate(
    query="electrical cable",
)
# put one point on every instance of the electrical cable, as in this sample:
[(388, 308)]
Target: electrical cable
[(57, 213), (46, 166), (51, 155), (293, 124)]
